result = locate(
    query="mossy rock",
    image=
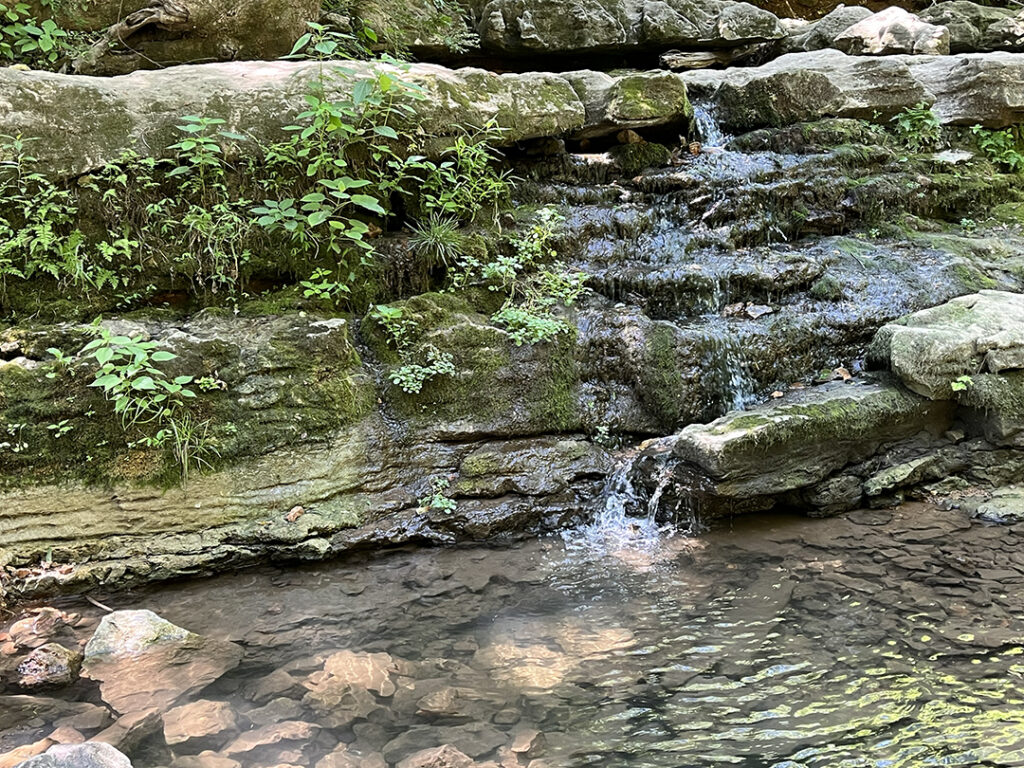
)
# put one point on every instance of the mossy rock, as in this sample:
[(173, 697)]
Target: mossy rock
[(634, 158)]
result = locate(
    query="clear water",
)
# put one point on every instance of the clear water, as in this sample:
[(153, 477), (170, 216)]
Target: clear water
[(889, 640)]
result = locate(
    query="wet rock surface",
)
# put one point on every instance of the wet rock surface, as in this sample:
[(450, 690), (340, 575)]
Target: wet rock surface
[(482, 656), (144, 663)]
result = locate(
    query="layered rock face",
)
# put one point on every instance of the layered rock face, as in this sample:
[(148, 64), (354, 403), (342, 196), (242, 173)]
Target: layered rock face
[(953, 418), (720, 269)]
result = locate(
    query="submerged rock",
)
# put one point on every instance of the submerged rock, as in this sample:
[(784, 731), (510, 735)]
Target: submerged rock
[(145, 663), (87, 755), (199, 724), (49, 665)]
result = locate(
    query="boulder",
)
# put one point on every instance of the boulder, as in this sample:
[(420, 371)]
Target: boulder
[(747, 461), (152, 34), (1005, 507), (823, 32), (977, 28), (141, 111), (87, 755), (893, 30), (963, 90), (49, 665), (591, 26), (145, 663), (932, 349)]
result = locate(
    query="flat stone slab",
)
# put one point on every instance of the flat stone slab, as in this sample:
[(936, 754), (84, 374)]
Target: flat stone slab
[(746, 459)]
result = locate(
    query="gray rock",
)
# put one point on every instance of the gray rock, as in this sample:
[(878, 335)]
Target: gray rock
[(160, 33), (144, 663), (49, 665), (199, 724), (975, 28), (1006, 507), (87, 755), (963, 90), (746, 461), (893, 30), (823, 32), (931, 349), (581, 26)]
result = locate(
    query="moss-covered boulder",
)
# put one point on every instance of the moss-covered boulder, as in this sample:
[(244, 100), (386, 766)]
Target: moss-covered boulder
[(935, 352), (161, 33), (748, 461), (140, 111)]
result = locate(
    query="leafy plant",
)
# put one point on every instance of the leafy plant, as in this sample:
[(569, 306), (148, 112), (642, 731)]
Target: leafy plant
[(412, 376), (1003, 147), (961, 384), (27, 40), (128, 377), (438, 497), (917, 127)]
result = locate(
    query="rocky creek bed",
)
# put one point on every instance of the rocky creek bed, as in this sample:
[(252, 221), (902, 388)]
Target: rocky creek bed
[(882, 637)]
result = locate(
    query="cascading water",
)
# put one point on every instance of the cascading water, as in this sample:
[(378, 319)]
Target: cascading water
[(711, 134), (619, 523)]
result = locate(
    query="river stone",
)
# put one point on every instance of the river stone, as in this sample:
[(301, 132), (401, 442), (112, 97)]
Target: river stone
[(893, 30), (206, 759), (931, 349), (87, 755), (290, 730), (963, 90), (144, 662), (199, 724), (49, 665), (445, 756)]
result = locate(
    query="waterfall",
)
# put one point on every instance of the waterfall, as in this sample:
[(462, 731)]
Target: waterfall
[(711, 134), (618, 524)]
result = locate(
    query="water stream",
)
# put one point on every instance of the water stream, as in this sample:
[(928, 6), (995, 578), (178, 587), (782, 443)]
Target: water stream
[(889, 640)]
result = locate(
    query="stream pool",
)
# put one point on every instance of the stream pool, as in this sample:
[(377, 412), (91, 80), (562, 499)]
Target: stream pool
[(883, 638)]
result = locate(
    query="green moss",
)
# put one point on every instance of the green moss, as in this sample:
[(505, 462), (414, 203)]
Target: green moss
[(971, 278), (633, 158), (827, 288), (663, 389)]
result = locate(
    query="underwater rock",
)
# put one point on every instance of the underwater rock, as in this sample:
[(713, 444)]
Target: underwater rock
[(144, 662), (199, 724), (49, 665), (87, 755)]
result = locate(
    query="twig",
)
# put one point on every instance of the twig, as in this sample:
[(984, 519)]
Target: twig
[(98, 604)]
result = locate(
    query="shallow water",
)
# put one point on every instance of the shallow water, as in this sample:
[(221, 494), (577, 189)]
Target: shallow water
[(885, 639)]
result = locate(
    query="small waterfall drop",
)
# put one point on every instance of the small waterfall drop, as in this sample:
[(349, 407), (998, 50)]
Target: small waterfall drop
[(618, 524), (711, 134)]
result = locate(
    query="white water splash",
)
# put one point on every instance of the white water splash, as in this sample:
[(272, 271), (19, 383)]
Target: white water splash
[(711, 134), (615, 528)]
